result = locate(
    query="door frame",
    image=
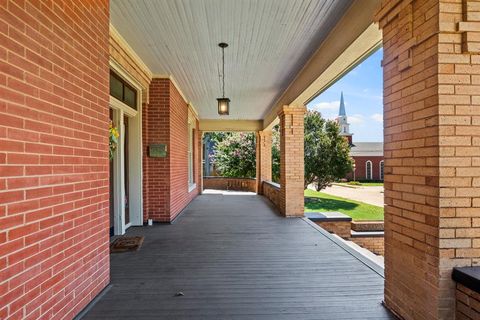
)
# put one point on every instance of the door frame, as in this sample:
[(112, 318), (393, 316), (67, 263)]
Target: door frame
[(135, 152)]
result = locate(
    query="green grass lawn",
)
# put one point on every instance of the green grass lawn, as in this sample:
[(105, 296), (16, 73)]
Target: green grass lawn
[(372, 184), (318, 201)]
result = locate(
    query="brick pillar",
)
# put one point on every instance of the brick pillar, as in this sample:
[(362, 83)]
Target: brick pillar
[(432, 151), (264, 158), (291, 161)]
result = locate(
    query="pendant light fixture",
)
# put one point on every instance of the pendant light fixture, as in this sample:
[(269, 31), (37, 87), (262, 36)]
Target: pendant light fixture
[(223, 103)]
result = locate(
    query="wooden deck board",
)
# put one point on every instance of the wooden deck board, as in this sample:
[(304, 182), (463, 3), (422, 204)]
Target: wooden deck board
[(234, 257)]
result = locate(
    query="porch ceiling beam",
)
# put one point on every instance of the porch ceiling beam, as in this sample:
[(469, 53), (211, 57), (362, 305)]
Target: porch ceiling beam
[(230, 125), (349, 43)]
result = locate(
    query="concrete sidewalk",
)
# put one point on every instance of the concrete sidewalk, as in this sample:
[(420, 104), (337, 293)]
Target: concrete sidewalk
[(370, 195)]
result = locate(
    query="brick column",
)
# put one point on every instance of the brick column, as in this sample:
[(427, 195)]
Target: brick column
[(264, 158), (432, 151), (291, 161)]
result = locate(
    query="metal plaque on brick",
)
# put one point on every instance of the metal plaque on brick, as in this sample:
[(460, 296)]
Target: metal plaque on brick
[(157, 150)]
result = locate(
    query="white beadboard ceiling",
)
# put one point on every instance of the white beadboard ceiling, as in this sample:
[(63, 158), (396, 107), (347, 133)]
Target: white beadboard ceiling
[(269, 42)]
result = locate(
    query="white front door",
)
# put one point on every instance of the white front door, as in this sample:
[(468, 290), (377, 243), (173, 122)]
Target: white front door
[(127, 173), (126, 185)]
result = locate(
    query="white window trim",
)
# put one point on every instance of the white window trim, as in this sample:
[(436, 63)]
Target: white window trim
[(191, 152), (367, 171), (122, 73), (119, 105), (192, 187)]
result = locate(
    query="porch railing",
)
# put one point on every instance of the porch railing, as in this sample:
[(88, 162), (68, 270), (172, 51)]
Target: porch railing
[(225, 183), (271, 190)]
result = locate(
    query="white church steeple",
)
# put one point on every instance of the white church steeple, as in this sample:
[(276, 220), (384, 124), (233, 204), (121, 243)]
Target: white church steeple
[(342, 121)]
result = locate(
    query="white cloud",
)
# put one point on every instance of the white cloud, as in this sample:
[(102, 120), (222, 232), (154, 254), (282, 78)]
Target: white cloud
[(356, 119), (377, 117), (333, 105)]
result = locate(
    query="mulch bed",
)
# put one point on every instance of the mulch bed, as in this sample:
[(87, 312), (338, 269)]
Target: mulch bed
[(125, 244)]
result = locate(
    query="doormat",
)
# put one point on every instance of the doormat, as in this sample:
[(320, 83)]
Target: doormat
[(125, 244)]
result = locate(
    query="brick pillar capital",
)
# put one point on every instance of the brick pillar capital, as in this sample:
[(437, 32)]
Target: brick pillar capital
[(264, 133), (291, 109), (385, 7)]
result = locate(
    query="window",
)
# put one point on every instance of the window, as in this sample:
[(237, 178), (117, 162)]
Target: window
[(381, 170), (122, 91), (191, 151), (368, 173)]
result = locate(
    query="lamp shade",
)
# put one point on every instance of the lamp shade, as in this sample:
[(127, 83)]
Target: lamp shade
[(223, 106)]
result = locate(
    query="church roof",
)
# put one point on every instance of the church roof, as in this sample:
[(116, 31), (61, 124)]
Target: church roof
[(341, 111), (366, 149)]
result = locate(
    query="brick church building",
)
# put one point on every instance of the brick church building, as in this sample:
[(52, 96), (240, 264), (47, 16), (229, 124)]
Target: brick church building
[(368, 156)]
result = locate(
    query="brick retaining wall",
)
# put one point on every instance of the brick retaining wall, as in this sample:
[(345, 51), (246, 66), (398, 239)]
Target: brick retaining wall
[(467, 303), (367, 225), (375, 244), (333, 222), (224, 183), (366, 234), (340, 228), (467, 295)]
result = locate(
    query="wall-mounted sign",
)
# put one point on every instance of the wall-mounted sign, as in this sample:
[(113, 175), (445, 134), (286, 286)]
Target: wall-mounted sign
[(157, 150)]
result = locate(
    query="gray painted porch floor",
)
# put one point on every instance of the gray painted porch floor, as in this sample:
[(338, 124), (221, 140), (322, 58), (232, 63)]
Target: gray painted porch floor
[(234, 257)]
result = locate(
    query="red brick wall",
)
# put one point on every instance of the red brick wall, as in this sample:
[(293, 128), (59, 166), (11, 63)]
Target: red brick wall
[(361, 168), (156, 171), (53, 156), (166, 179), (179, 194)]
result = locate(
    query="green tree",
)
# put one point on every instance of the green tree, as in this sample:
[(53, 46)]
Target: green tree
[(217, 136), (234, 155), (326, 152)]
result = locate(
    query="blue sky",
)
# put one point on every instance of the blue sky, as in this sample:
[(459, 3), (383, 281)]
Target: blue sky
[(363, 91)]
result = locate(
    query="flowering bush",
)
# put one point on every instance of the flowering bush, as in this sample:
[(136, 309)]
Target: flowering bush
[(276, 154), (326, 153), (234, 155), (113, 139)]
